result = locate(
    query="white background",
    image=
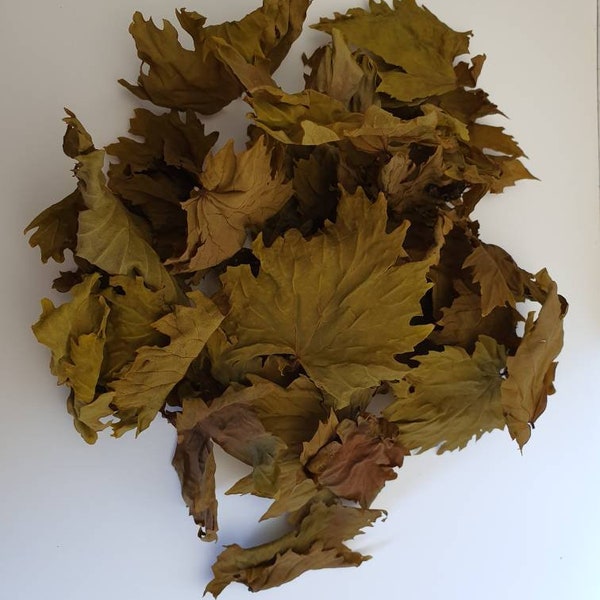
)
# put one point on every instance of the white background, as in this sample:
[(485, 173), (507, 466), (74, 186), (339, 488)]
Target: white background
[(107, 521)]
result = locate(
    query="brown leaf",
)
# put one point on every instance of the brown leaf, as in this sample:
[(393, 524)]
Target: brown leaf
[(238, 191), (194, 462), (56, 228), (357, 467), (497, 274)]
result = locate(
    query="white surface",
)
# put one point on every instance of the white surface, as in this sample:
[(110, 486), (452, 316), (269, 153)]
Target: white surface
[(108, 522)]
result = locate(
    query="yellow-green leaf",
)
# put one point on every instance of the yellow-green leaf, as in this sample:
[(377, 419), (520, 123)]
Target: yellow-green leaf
[(453, 397)]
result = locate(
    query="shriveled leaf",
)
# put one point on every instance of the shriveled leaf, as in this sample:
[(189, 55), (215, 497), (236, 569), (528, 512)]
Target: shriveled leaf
[(316, 300), (462, 323), (294, 489), (143, 387), (335, 72), (108, 236), (531, 369), (232, 422), (238, 191), (154, 176), (324, 433), (317, 543), (168, 138), (75, 332), (357, 464), (292, 413), (194, 462), (453, 397), (308, 117), (198, 79)]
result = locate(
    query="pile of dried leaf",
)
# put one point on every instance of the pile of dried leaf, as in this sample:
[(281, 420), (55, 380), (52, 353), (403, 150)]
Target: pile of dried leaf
[(365, 273)]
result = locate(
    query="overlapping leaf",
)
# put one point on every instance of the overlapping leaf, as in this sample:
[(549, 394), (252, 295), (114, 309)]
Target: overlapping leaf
[(200, 79), (238, 191), (342, 258), (315, 300), (142, 389)]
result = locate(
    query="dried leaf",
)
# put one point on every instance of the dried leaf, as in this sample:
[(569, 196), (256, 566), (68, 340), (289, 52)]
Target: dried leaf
[(75, 332), (316, 544), (497, 274), (344, 340), (142, 389), (197, 79), (357, 466), (531, 369), (56, 228), (238, 191), (407, 36), (453, 397)]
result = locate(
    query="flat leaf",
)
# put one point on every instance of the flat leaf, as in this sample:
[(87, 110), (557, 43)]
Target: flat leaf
[(315, 300), (497, 274), (453, 397)]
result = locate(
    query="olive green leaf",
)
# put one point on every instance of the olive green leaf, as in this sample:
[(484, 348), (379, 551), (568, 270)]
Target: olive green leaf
[(453, 397), (133, 310), (337, 302), (497, 274), (108, 236), (336, 73)]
